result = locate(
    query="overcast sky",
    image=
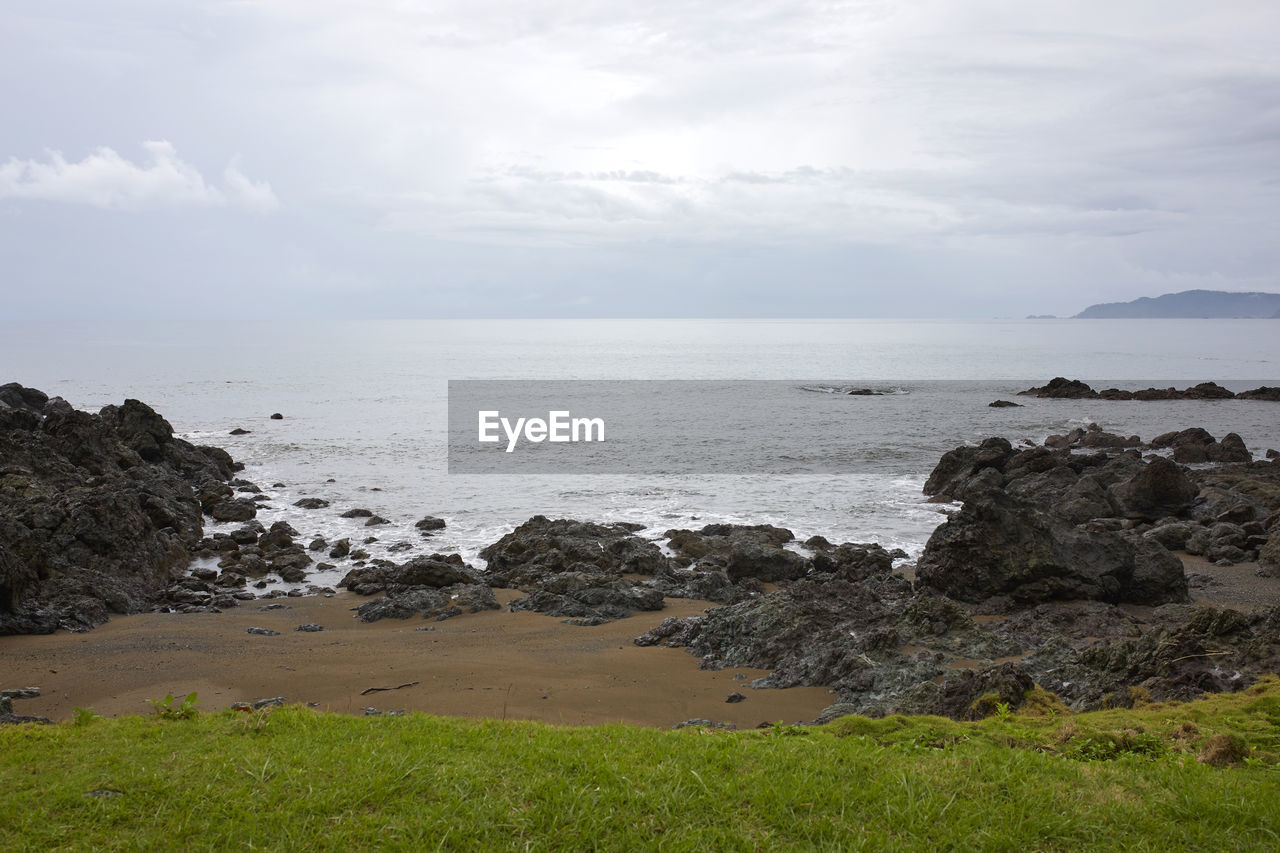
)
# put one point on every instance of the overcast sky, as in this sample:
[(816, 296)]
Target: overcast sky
[(664, 158)]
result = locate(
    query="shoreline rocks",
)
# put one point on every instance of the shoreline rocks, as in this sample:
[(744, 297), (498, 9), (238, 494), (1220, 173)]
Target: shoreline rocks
[(98, 512), (1061, 388)]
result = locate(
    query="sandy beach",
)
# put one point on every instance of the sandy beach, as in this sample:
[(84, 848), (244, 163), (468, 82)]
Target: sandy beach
[(492, 664)]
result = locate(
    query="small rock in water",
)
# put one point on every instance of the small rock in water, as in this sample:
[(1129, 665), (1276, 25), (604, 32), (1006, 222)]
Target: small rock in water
[(1004, 404), (358, 512), (239, 431), (311, 503), (277, 416), (430, 523), (264, 632), (375, 521), (310, 628)]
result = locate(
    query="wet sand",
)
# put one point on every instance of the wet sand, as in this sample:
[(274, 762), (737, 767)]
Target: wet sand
[(496, 664), (1238, 587)]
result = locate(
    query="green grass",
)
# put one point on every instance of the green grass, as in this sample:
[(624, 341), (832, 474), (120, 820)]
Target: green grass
[(295, 779)]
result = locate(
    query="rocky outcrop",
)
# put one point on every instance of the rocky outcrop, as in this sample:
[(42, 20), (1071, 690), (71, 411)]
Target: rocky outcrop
[(997, 546), (98, 512), (1060, 388), (437, 586), (542, 546), (740, 551)]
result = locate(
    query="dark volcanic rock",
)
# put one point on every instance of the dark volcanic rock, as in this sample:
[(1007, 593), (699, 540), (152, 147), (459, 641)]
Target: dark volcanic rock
[(741, 551), (1063, 389), (1264, 392), (542, 546), (1004, 404), (588, 594), (997, 545), (1158, 489), (98, 513), (311, 503), (430, 523), (439, 604)]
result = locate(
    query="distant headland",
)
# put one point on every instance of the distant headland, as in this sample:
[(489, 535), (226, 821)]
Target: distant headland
[(1193, 304)]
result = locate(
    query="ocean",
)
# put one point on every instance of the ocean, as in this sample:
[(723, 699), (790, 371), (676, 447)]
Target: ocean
[(365, 408)]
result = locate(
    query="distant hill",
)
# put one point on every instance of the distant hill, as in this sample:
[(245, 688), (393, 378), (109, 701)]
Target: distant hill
[(1190, 303)]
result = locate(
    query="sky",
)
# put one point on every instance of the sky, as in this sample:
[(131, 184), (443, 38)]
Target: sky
[(783, 158)]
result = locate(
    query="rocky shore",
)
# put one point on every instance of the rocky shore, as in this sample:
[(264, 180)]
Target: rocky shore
[(1060, 577)]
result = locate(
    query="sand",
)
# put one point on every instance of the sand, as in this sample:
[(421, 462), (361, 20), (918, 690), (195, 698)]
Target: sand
[(524, 666)]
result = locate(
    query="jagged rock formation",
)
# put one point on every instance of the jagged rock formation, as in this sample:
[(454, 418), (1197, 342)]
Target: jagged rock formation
[(98, 512)]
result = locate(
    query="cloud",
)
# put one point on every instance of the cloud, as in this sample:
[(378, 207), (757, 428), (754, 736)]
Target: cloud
[(105, 179)]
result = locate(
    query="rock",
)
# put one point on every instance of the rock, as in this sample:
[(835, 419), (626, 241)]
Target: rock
[(735, 697), (1230, 450), (852, 561), (430, 523), (340, 549), (98, 513), (318, 544), (588, 594), (1159, 489), (277, 416), (429, 603), (239, 509), (1062, 388), (541, 546), (311, 503), (999, 546), (239, 431), (309, 628), (958, 466), (741, 551), (1004, 404), (358, 513), (375, 521), (436, 570), (263, 632), (1173, 535)]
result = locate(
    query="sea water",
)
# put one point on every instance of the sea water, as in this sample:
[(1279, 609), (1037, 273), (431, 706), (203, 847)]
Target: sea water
[(365, 410)]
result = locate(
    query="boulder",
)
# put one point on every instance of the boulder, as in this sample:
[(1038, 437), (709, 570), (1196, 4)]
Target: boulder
[(999, 547), (1158, 489), (741, 551)]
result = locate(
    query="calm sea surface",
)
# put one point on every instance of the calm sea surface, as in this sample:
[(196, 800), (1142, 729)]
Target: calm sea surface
[(365, 408)]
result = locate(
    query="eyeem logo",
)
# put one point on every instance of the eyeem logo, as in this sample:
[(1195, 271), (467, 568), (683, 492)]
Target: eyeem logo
[(558, 427)]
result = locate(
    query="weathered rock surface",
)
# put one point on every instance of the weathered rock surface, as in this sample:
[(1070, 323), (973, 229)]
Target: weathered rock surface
[(98, 513), (542, 546), (741, 551)]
